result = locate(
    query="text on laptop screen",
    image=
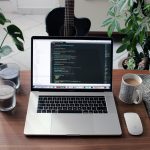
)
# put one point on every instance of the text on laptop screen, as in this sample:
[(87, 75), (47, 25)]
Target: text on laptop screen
[(71, 64)]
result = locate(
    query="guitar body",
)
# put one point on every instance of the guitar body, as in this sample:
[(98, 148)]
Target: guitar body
[(55, 24)]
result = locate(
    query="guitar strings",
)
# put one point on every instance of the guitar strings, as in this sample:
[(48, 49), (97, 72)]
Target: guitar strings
[(69, 17)]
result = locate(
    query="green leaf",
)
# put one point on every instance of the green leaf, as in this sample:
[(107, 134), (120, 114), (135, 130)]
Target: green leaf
[(131, 64), (3, 20), (5, 50), (141, 55), (111, 28), (109, 32), (146, 9), (130, 23), (123, 31), (142, 37), (135, 1), (123, 5), (131, 3), (107, 22), (112, 11), (117, 25), (19, 44), (122, 48), (16, 35)]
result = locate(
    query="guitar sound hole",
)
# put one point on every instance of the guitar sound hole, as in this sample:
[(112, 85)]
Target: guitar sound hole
[(68, 31)]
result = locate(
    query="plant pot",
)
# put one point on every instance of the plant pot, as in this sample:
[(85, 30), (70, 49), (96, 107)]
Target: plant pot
[(121, 62), (143, 65)]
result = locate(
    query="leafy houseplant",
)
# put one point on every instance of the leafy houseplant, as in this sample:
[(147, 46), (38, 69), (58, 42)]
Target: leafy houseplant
[(14, 32), (136, 17)]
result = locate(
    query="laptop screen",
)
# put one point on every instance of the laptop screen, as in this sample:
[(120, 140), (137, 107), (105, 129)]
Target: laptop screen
[(71, 63)]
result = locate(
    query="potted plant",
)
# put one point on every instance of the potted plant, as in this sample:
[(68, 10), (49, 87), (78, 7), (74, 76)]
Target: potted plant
[(10, 30), (135, 14)]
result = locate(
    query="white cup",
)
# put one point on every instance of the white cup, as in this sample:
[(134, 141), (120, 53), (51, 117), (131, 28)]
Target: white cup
[(129, 92)]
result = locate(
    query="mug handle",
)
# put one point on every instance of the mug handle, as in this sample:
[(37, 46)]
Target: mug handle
[(139, 98)]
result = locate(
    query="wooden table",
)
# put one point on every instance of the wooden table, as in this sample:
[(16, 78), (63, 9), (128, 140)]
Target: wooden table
[(12, 126)]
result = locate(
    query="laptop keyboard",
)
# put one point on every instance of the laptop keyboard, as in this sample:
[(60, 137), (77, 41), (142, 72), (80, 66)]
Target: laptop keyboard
[(71, 104)]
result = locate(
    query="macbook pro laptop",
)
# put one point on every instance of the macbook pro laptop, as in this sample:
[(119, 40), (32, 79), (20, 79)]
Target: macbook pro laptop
[(71, 87)]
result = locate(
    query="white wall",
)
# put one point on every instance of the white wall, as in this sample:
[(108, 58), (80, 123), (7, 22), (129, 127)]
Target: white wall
[(29, 6), (37, 3), (95, 10), (36, 6), (8, 6)]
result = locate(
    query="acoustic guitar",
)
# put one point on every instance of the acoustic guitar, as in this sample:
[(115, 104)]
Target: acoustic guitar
[(62, 22)]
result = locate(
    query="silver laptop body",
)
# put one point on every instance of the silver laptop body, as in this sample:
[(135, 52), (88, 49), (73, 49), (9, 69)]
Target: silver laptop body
[(71, 67)]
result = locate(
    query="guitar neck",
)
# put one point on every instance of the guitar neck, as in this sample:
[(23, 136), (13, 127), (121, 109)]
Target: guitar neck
[(69, 12)]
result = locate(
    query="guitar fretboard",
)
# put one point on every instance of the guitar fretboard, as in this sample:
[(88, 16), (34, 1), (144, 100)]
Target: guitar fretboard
[(69, 13)]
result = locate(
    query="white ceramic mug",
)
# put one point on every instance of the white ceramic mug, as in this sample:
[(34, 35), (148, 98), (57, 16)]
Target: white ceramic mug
[(129, 92)]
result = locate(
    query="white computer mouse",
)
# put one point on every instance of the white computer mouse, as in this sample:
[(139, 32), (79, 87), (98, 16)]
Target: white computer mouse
[(134, 124)]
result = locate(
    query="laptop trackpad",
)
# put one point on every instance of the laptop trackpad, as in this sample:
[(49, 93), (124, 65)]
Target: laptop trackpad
[(71, 124)]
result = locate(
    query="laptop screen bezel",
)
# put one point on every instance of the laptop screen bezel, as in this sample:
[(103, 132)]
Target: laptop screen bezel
[(70, 38)]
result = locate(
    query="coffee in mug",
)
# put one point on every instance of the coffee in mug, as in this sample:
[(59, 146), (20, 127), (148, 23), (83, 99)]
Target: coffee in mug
[(132, 82), (129, 92)]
